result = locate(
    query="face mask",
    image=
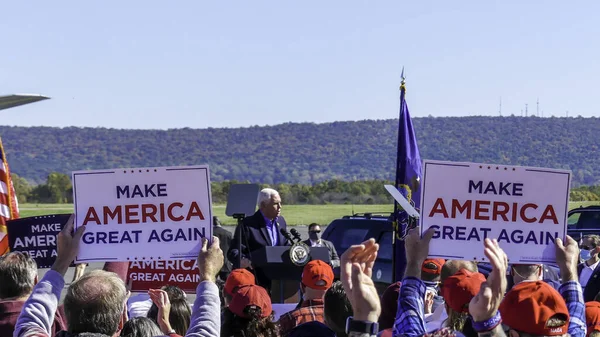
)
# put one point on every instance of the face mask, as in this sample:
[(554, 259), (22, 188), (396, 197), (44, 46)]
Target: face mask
[(313, 236), (585, 254)]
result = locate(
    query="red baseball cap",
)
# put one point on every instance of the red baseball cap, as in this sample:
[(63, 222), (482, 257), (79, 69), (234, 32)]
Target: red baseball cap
[(592, 316), (389, 305), (528, 306), (317, 275), (433, 266), (251, 296), (237, 278), (459, 289)]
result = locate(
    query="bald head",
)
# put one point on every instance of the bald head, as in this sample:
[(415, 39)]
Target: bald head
[(95, 302), (452, 267)]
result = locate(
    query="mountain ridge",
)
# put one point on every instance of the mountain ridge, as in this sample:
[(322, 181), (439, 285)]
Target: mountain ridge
[(310, 152)]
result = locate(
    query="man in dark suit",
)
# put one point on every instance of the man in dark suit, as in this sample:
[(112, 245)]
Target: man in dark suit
[(314, 240), (589, 270), (259, 230), (225, 238)]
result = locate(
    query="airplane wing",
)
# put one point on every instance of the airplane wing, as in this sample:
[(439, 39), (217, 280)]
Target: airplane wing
[(11, 101)]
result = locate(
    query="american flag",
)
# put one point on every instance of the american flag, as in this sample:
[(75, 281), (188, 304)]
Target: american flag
[(9, 207)]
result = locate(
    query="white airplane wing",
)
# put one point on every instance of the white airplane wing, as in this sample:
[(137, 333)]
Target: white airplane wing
[(11, 101)]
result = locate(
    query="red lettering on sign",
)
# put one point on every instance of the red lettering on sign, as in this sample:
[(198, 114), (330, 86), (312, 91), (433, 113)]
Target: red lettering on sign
[(494, 210), (145, 213)]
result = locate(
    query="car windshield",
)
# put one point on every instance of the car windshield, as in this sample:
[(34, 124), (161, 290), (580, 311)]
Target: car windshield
[(352, 236), (588, 220)]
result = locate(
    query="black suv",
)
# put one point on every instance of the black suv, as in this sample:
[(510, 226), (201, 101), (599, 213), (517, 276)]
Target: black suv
[(354, 229), (582, 221)]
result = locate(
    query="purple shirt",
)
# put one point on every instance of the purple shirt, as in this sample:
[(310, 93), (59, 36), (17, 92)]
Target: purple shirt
[(272, 229)]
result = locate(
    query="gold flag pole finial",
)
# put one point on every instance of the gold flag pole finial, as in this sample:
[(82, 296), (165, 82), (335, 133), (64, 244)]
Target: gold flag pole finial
[(402, 80)]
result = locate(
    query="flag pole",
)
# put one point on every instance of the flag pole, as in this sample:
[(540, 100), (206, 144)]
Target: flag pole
[(397, 180)]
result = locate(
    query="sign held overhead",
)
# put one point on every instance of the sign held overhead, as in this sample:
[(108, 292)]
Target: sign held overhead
[(143, 213), (524, 208)]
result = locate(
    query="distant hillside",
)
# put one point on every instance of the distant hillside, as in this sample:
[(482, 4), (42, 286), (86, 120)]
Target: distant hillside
[(307, 153)]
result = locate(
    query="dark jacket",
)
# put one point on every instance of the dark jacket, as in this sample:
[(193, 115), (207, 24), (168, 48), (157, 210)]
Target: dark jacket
[(225, 238), (254, 236), (333, 256), (10, 311), (593, 286)]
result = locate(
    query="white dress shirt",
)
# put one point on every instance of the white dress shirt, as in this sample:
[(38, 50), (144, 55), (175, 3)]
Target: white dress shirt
[(586, 273), (316, 243)]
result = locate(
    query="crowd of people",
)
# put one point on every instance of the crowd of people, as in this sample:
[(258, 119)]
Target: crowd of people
[(436, 297)]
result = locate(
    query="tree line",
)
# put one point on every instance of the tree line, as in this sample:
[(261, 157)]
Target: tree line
[(309, 153), (58, 189)]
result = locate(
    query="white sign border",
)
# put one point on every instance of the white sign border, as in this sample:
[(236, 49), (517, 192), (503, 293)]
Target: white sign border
[(140, 170), (469, 165)]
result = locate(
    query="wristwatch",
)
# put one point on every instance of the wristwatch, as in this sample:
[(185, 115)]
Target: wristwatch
[(371, 328)]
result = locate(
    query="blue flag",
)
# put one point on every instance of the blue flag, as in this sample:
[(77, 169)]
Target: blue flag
[(408, 182)]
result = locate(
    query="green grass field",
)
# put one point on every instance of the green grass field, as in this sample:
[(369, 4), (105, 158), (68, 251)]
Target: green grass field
[(294, 214)]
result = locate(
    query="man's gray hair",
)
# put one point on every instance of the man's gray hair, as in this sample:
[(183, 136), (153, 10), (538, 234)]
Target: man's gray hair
[(265, 195), (17, 275), (95, 303)]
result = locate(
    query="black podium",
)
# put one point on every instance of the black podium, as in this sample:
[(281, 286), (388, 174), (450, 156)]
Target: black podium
[(275, 262)]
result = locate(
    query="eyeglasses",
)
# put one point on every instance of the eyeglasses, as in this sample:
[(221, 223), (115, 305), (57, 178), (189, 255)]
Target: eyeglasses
[(317, 232)]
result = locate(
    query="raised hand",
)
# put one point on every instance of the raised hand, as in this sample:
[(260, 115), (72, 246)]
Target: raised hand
[(485, 304), (210, 260), (161, 299), (356, 272), (67, 246), (567, 258), (417, 250)]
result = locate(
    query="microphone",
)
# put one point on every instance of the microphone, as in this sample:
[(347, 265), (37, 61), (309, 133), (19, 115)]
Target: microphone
[(296, 234), (287, 236)]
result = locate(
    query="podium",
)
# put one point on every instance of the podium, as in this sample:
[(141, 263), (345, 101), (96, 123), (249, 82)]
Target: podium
[(275, 262)]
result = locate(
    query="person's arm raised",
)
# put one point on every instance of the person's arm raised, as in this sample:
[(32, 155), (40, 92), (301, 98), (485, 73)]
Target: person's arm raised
[(356, 271), (68, 246), (417, 250), (567, 257), (206, 318), (410, 316), (484, 306), (39, 310), (161, 299)]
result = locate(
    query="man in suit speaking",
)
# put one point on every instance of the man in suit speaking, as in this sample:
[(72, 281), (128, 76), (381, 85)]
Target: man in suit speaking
[(259, 230)]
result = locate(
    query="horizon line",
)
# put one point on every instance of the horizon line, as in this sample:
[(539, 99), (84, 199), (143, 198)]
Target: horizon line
[(299, 123)]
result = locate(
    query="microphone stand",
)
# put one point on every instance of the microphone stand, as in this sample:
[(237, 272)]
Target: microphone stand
[(240, 220)]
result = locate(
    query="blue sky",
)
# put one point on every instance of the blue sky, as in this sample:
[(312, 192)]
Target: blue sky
[(158, 64)]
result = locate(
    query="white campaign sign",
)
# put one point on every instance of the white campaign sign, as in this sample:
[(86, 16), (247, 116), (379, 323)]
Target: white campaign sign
[(524, 208), (143, 213)]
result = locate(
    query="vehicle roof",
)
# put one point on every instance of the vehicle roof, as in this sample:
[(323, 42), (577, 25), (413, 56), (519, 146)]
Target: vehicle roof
[(367, 221), (369, 216), (586, 208)]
